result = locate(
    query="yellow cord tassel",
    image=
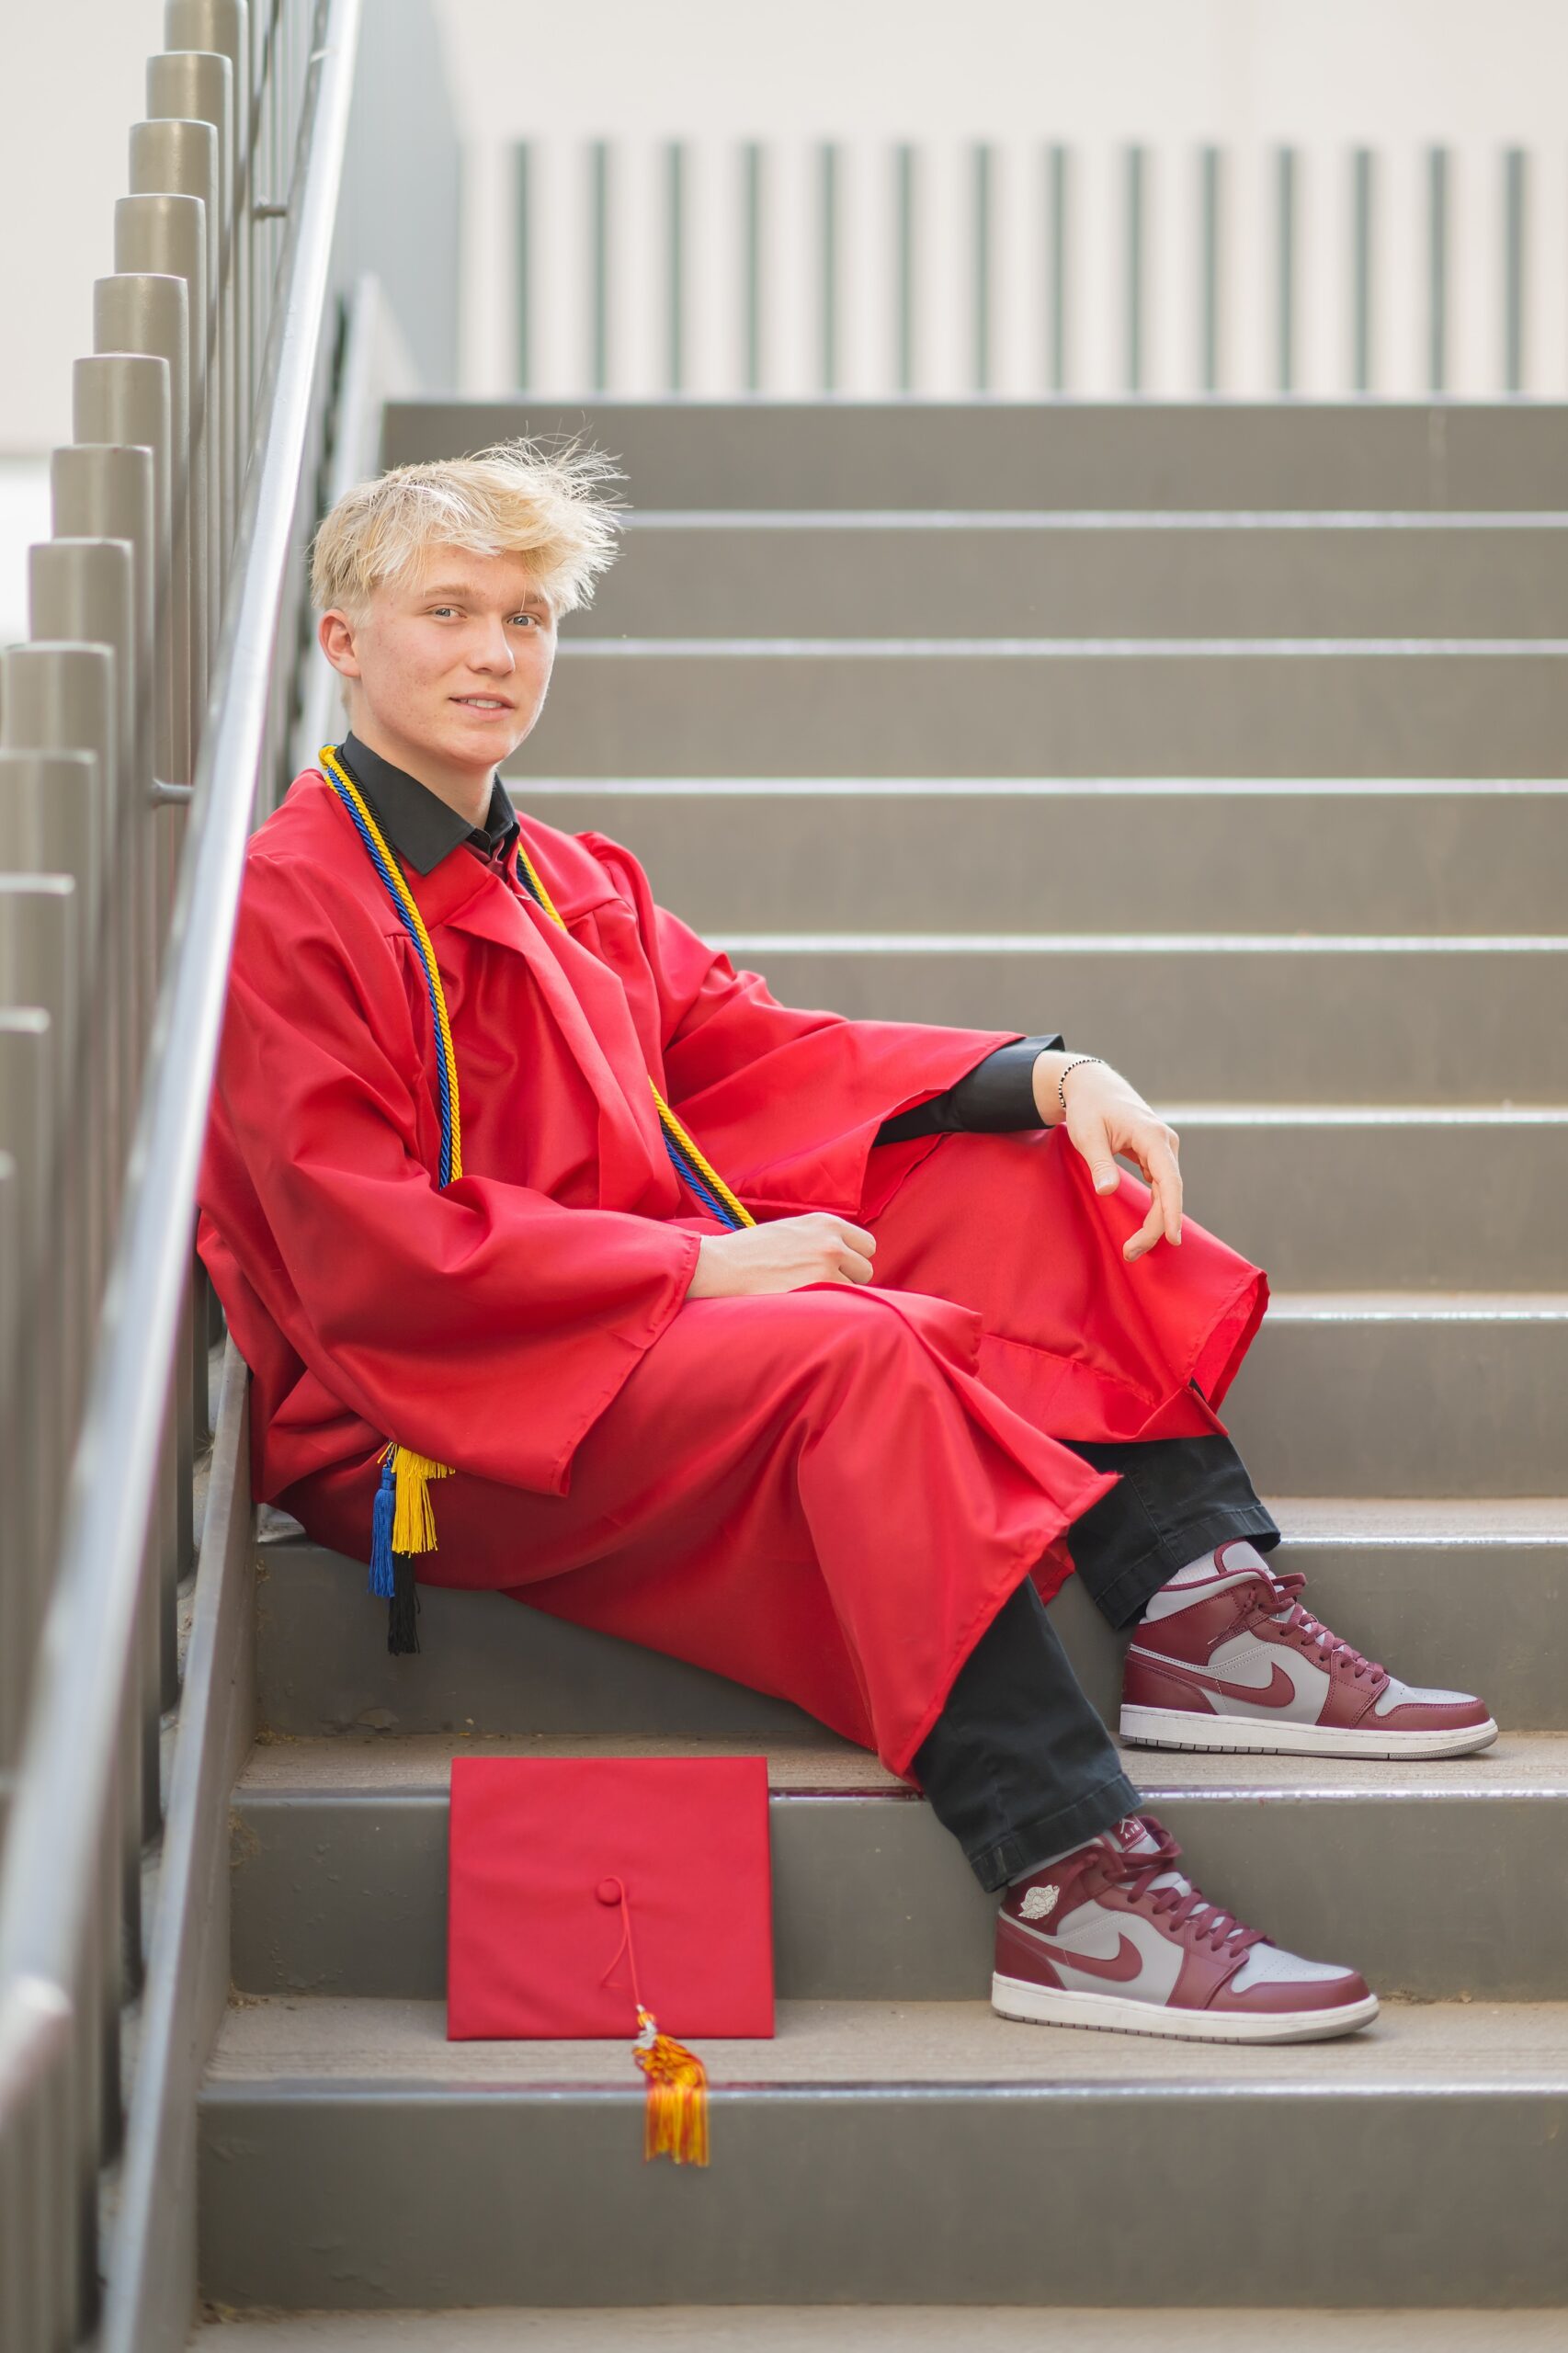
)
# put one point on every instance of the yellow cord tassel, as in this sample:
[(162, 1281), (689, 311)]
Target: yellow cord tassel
[(676, 2121), (414, 1520)]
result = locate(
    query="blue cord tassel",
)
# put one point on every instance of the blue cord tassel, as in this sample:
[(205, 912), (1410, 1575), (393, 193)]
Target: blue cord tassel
[(384, 1579)]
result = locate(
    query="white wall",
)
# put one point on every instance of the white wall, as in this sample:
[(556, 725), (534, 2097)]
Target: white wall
[(72, 83)]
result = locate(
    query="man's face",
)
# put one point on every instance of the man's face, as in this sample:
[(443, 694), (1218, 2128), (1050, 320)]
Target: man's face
[(449, 669)]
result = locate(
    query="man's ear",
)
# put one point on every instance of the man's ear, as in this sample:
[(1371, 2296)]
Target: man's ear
[(336, 636)]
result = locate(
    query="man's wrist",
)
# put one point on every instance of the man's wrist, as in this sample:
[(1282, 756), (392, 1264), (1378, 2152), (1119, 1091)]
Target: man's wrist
[(1048, 1079)]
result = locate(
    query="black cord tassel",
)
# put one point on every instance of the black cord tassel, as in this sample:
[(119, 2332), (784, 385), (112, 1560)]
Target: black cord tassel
[(402, 1609)]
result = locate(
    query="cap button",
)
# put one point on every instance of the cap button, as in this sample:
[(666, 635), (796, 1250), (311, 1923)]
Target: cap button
[(608, 1890)]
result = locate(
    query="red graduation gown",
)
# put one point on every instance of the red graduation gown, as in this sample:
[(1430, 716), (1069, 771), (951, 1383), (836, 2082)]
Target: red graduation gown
[(826, 1493)]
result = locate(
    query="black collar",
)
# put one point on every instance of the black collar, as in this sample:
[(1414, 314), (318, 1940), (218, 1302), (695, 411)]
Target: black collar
[(422, 827)]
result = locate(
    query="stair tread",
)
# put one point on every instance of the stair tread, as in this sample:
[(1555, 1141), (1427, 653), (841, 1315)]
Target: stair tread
[(1144, 942), (1253, 520), (1421, 1519), (1428, 1307), (770, 787), (1313, 1519), (1058, 649), (417, 1764), (879, 2328), (288, 2047)]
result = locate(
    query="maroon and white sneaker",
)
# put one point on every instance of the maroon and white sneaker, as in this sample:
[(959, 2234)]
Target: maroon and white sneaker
[(1225, 1657), (1114, 1936)]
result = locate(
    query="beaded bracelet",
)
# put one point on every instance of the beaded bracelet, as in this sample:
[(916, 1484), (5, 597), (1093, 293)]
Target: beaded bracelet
[(1073, 1065)]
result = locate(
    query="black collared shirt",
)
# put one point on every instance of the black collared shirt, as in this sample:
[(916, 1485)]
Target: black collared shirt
[(420, 826), (996, 1095)]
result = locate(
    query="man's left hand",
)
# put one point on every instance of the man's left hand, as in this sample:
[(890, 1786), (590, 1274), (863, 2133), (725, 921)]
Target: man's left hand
[(1107, 1114)]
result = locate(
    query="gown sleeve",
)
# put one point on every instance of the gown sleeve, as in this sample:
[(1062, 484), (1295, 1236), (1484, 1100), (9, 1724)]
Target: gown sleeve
[(996, 1097), (786, 1101), (484, 1324)]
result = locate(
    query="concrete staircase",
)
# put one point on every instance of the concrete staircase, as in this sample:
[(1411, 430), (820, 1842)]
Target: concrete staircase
[(1276, 839)]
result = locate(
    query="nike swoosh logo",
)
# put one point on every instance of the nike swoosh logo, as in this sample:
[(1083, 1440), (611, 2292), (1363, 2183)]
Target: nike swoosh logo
[(1277, 1692), (1123, 1966)]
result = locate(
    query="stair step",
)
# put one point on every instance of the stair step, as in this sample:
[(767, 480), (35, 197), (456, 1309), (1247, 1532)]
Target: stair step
[(1362, 1393), (1242, 1017), (885, 2328), (1116, 855), (1351, 1194), (947, 706), (1403, 456), (340, 1860), (350, 2156), (1444, 1590), (855, 574)]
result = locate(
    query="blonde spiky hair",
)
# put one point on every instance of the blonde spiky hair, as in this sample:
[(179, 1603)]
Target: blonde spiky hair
[(521, 497)]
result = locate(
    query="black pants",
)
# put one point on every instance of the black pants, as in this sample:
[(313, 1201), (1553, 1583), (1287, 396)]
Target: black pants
[(1017, 1766)]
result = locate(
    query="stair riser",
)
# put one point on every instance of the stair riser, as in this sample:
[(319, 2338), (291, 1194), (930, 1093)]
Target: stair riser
[(1403, 1408), (1081, 455), (1471, 1613), (1376, 1208), (1084, 580), (1119, 858), (1216, 1024), (874, 1900), (1124, 713), (961, 2196)]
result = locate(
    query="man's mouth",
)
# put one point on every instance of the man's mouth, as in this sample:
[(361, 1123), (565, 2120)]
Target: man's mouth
[(481, 702)]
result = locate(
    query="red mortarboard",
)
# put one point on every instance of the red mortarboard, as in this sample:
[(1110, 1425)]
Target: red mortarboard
[(585, 1894)]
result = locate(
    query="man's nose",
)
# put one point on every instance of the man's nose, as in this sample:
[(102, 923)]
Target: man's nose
[(493, 648)]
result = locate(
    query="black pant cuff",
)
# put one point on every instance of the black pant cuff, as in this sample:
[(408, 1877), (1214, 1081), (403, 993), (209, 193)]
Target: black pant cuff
[(1130, 1592), (1055, 1834)]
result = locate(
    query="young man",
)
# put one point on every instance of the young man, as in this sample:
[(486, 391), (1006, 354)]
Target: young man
[(818, 1352)]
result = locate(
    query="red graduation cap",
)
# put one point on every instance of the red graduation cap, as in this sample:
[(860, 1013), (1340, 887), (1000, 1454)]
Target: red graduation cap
[(596, 1895)]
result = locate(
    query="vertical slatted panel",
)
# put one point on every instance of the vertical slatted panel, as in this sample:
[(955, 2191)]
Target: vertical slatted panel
[(523, 279), (1018, 270), (1210, 273), (753, 197), (1363, 279), (1476, 258), (905, 264), (1545, 272), (826, 265), (1514, 269), (1134, 265), (1059, 225)]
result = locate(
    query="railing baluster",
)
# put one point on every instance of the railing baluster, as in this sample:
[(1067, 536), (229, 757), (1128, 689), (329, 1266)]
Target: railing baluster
[(146, 313)]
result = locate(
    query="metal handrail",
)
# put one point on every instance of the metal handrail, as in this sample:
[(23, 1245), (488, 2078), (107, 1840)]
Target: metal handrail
[(87, 1648)]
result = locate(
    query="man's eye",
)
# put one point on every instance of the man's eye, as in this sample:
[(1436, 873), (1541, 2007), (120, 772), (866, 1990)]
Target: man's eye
[(532, 618)]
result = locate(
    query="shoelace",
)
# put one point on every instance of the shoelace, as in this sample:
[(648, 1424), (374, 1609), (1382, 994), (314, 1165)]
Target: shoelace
[(1296, 1620), (1181, 1909)]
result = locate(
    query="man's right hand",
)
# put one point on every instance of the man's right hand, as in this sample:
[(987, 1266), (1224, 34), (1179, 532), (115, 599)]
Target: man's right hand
[(783, 1254)]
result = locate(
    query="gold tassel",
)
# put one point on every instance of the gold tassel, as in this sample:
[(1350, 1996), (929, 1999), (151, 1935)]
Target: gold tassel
[(676, 2119), (414, 1521)]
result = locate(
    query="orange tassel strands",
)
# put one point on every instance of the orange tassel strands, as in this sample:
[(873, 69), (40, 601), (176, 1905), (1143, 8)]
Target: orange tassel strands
[(676, 2123)]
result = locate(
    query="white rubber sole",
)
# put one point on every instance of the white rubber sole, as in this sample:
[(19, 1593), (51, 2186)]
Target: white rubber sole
[(1179, 1728), (1020, 1997)]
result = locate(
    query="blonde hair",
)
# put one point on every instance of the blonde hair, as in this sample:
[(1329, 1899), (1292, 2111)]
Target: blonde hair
[(521, 497)]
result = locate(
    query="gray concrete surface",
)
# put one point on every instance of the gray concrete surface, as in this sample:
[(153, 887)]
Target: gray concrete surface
[(943, 706), (893, 2141), (1434, 1589), (1112, 854), (1072, 575), (872, 1898), (1392, 456)]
